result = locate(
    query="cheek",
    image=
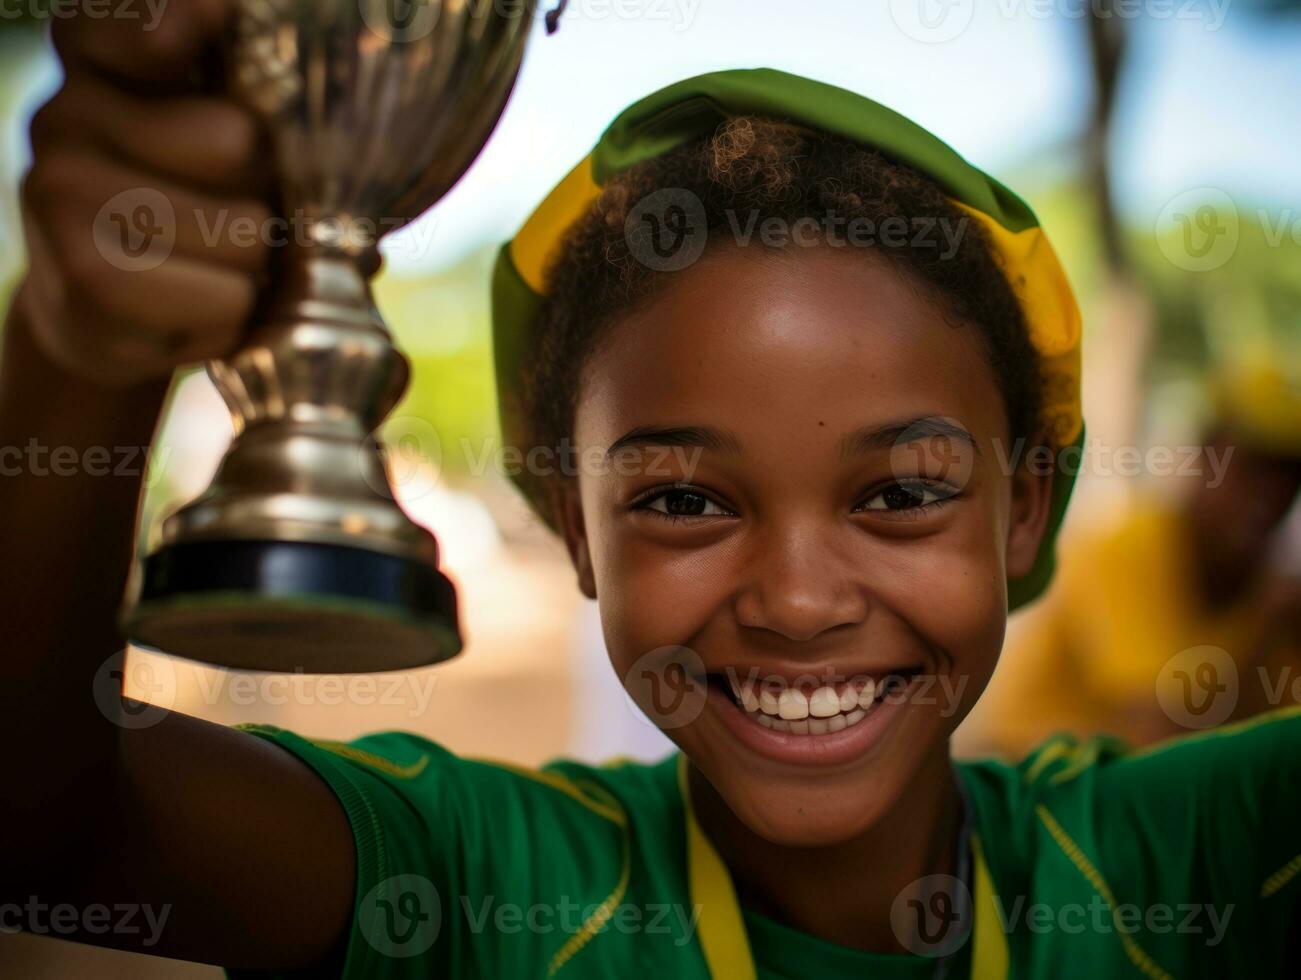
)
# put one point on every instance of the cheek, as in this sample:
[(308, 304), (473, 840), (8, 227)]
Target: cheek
[(649, 595), (951, 592)]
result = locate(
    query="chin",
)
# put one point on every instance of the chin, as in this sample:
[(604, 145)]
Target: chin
[(801, 814), (797, 802)]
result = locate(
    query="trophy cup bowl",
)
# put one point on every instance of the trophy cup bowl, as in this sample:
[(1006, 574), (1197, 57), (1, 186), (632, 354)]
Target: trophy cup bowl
[(298, 557)]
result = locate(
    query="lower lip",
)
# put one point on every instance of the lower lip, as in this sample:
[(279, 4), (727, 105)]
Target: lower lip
[(831, 749)]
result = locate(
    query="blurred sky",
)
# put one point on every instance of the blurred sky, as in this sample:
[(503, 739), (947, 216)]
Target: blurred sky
[(1210, 95)]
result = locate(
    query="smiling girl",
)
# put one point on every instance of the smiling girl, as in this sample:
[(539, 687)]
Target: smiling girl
[(820, 348)]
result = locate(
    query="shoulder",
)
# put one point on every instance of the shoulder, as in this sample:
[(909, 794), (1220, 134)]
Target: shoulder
[(415, 766), (1206, 821), (1245, 766)]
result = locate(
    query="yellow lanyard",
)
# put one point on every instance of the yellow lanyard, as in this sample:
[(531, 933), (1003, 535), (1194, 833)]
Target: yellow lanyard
[(722, 930)]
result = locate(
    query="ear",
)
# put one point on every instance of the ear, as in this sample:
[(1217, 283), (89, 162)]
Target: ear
[(1032, 494), (567, 505)]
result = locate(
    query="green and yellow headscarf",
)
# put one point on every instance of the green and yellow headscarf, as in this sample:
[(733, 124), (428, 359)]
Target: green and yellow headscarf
[(693, 109)]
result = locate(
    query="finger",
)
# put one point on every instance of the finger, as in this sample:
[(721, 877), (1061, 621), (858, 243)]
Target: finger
[(209, 142), (145, 42), (134, 335), (132, 220)]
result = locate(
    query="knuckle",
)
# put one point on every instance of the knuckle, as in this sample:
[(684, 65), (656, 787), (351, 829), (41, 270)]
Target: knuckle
[(84, 269), (53, 181), (235, 137)]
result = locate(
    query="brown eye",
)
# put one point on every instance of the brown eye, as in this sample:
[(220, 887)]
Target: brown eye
[(683, 503), (910, 495), (900, 497)]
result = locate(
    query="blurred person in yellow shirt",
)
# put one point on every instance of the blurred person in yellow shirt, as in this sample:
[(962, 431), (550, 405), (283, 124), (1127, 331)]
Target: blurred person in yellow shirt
[(1182, 613)]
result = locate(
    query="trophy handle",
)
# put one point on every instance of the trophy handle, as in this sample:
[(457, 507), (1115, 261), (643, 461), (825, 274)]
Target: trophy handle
[(299, 534)]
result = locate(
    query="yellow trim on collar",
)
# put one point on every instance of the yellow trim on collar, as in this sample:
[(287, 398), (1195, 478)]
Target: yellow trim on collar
[(722, 929), (989, 959)]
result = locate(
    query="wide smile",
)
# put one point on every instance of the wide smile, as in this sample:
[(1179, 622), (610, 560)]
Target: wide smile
[(829, 722)]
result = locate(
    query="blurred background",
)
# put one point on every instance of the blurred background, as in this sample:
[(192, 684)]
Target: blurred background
[(1156, 139)]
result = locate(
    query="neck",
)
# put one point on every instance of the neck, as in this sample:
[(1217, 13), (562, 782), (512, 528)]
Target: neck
[(914, 838)]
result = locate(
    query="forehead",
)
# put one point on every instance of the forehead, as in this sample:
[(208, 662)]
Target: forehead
[(771, 344)]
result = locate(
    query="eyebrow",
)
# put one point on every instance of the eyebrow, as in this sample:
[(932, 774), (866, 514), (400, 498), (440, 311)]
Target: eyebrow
[(703, 436), (873, 438), (869, 438)]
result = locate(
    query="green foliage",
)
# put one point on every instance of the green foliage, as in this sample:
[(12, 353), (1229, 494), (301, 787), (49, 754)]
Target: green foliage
[(442, 323), (1250, 291)]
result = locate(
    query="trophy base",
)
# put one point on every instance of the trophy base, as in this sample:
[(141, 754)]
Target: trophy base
[(294, 606)]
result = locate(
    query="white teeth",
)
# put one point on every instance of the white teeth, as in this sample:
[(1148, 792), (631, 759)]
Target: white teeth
[(792, 705), (824, 702), (824, 711), (866, 695)]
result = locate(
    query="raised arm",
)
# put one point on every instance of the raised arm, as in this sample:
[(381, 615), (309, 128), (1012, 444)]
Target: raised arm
[(240, 854)]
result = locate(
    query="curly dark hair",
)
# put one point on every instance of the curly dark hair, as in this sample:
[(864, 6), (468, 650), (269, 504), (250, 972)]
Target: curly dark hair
[(767, 168)]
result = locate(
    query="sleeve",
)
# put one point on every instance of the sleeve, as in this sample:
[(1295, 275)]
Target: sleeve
[(452, 854), (1215, 819), (400, 874)]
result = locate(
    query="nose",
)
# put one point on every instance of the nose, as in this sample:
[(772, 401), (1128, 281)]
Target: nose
[(799, 583)]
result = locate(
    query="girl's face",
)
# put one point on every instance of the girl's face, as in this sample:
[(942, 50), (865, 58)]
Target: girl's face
[(810, 505)]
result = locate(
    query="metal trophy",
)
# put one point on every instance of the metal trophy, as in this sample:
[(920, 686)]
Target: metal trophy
[(297, 558)]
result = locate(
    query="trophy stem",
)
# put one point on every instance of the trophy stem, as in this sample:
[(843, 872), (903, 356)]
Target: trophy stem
[(299, 532)]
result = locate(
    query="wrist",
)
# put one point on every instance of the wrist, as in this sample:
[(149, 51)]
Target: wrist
[(50, 397)]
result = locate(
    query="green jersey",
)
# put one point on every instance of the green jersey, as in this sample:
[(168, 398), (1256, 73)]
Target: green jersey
[(1087, 860)]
